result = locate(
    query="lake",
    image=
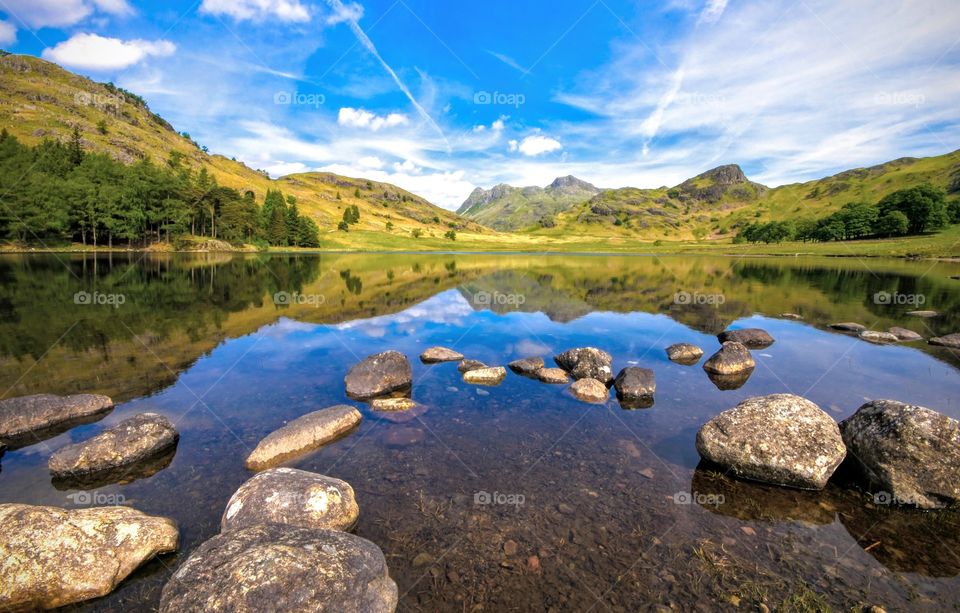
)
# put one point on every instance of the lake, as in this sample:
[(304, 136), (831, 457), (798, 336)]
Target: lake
[(517, 497)]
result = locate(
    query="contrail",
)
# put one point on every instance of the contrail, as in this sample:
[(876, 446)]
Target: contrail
[(342, 13)]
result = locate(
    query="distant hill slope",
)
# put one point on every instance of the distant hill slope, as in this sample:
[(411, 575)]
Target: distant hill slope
[(39, 99), (716, 203), (505, 207)]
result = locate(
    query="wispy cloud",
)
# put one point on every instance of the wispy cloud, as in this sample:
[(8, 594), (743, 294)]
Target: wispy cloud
[(98, 53)]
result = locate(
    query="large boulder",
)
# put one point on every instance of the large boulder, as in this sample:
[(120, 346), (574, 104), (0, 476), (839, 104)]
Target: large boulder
[(52, 557), (379, 375), (910, 452), (684, 353), (434, 355), (590, 390), (272, 567), (294, 498), (303, 435), (732, 359), (753, 338), (587, 363), (526, 366), (950, 340), (31, 419), (781, 439), (634, 384), (134, 440)]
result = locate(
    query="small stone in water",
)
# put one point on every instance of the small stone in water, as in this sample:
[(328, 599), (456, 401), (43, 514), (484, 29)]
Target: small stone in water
[(533, 563), (422, 559), (647, 472), (510, 548), (748, 530)]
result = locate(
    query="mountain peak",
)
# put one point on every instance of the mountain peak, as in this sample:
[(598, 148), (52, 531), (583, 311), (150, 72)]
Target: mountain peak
[(571, 181), (728, 174)]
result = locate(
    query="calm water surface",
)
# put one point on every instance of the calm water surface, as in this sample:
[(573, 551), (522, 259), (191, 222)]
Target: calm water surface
[(611, 502)]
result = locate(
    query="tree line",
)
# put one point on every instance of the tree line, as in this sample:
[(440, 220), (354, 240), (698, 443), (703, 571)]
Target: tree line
[(914, 210), (59, 191)]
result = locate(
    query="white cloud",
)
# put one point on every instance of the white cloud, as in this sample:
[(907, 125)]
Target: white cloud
[(62, 13), (8, 33), (712, 11), (535, 145), (344, 12), (447, 189), (497, 126), (359, 118), (290, 11), (512, 145), (371, 162), (281, 169), (93, 52)]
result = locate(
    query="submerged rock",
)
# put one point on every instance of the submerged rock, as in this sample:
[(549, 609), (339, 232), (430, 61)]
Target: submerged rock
[(131, 441), (526, 366), (781, 439), (753, 338), (590, 390), (392, 404), (52, 557), (302, 435), (485, 376), (633, 384), (293, 498), (587, 363), (272, 567), (434, 355), (412, 409), (404, 437), (30, 419), (950, 340), (684, 353), (910, 452), (732, 359), (554, 376), (468, 365), (849, 326), (378, 375), (880, 338), (905, 335)]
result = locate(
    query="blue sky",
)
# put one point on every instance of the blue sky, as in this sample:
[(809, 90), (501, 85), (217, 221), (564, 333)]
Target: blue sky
[(441, 97)]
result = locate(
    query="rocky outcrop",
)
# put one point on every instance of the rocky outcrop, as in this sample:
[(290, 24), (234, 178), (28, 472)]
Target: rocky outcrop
[(905, 335), (554, 376), (950, 340), (485, 376), (909, 452), (51, 557), (31, 419), (272, 567), (849, 326), (379, 375), (590, 390), (468, 365), (434, 355), (634, 384), (732, 359), (587, 363), (293, 498), (526, 366), (879, 338), (684, 353), (303, 435), (780, 439), (752, 338), (132, 441)]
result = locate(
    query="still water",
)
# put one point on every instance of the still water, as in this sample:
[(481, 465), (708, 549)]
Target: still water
[(606, 508)]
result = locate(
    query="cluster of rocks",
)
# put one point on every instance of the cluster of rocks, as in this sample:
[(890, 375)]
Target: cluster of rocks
[(897, 334), (731, 366), (910, 453)]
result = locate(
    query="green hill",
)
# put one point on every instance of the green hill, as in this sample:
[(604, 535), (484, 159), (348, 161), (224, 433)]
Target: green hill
[(40, 100), (509, 208)]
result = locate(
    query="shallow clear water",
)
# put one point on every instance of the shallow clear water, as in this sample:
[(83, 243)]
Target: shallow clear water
[(610, 501)]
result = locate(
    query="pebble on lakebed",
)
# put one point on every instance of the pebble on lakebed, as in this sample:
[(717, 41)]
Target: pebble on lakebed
[(303, 435)]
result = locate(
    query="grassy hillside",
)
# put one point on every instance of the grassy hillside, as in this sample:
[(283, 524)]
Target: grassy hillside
[(508, 208), (40, 100)]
